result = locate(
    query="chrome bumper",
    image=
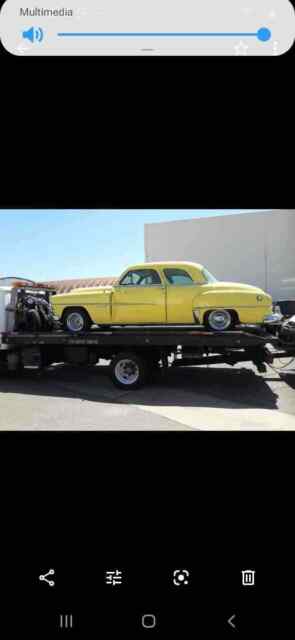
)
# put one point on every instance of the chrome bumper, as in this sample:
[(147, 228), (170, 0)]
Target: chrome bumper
[(273, 318), (290, 323)]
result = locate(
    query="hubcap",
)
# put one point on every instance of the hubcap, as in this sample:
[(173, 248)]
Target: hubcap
[(219, 320), (75, 322), (126, 371)]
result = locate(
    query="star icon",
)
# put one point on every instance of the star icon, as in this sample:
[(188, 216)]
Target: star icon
[(241, 49)]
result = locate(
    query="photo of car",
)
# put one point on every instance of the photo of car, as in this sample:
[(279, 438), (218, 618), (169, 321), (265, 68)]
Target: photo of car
[(166, 345), (164, 293)]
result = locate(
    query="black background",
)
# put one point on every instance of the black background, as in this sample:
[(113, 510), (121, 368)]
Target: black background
[(91, 132), (212, 133)]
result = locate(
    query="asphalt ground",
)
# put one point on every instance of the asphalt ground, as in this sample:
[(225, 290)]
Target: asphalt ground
[(64, 397)]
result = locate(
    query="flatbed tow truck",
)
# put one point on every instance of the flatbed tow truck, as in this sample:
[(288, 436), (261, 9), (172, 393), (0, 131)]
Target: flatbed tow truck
[(135, 352)]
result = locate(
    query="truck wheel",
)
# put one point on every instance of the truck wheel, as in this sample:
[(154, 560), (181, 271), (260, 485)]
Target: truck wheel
[(128, 371), (76, 321), (218, 320)]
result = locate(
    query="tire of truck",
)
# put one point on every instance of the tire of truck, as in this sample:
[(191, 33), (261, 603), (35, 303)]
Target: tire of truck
[(219, 320), (76, 320), (128, 370)]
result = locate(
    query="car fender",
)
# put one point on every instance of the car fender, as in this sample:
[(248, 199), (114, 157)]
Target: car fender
[(239, 301), (96, 301)]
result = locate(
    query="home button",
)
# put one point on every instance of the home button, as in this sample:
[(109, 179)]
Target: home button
[(148, 621)]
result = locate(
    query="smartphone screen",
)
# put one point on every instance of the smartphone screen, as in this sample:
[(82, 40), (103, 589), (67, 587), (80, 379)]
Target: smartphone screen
[(147, 319)]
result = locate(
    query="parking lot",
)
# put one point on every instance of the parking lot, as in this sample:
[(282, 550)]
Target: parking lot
[(65, 397)]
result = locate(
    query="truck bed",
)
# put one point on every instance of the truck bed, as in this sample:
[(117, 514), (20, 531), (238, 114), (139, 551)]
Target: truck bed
[(165, 336)]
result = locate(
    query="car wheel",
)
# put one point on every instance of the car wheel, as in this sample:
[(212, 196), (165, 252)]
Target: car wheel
[(76, 321), (219, 320), (128, 371)]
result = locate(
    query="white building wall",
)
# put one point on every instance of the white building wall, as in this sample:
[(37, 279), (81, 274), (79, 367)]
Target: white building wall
[(255, 248)]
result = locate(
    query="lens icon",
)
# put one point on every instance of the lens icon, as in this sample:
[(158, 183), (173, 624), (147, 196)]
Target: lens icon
[(180, 577)]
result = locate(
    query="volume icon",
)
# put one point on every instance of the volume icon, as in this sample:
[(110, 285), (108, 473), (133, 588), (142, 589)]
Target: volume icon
[(34, 34)]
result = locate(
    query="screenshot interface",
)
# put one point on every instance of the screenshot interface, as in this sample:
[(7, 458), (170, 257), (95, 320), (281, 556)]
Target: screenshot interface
[(148, 27), (205, 597), (147, 340)]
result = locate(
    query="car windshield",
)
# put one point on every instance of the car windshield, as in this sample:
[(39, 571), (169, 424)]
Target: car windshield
[(208, 276)]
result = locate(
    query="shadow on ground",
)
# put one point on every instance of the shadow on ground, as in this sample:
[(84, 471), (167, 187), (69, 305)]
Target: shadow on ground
[(289, 378), (188, 387)]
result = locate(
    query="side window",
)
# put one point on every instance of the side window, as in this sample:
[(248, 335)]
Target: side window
[(178, 276), (129, 279), (141, 277)]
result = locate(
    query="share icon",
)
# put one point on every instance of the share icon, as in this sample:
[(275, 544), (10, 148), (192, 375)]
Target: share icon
[(44, 577)]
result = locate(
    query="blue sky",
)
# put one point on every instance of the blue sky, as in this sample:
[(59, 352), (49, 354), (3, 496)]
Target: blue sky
[(45, 245)]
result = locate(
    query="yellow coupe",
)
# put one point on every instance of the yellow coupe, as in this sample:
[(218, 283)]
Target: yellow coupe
[(164, 293)]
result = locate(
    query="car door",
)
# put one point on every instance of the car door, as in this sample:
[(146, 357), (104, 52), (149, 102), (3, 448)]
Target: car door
[(139, 298), (181, 290)]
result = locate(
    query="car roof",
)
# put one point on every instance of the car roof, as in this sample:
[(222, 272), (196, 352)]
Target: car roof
[(167, 263)]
